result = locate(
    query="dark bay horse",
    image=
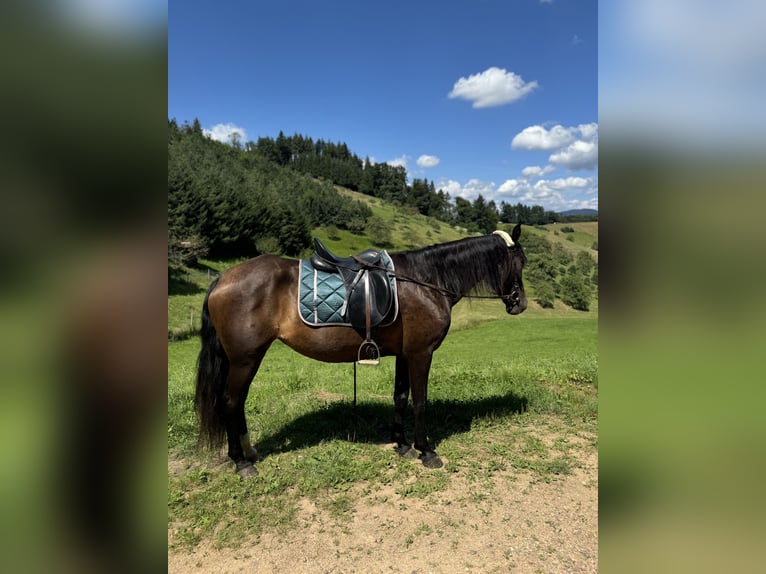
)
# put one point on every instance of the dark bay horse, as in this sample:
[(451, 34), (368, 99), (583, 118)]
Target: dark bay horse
[(254, 303)]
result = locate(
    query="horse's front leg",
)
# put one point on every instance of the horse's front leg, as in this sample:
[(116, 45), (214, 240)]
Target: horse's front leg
[(418, 370), (401, 398)]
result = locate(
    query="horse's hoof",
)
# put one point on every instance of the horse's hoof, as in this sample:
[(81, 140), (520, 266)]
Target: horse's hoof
[(431, 460), (246, 471), (406, 451), (255, 457)]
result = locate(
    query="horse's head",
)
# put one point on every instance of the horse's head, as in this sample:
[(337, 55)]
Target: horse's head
[(513, 287)]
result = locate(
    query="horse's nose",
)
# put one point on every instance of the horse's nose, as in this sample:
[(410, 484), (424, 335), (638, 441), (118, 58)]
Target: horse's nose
[(515, 296)]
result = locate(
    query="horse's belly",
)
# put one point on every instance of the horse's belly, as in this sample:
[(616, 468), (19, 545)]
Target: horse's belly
[(332, 344)]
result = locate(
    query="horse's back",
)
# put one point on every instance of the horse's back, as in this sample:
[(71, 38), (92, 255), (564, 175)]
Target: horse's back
[(258, 274)]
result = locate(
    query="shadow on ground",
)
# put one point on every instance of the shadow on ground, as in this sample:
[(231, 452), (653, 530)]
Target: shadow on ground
[(179, 284), (370, 422)]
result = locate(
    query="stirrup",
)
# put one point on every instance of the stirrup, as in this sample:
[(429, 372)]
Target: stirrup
[(372, 352)]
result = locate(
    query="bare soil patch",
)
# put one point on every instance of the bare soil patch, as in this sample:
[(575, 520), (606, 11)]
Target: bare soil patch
[(509, 521)]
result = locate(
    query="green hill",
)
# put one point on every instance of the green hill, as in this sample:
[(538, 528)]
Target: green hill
[(583, 238), (403, 227)]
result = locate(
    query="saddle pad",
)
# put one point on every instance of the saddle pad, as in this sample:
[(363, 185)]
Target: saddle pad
[(321, 295)]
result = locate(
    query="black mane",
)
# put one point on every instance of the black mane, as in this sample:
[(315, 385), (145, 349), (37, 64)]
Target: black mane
[(460, 266)]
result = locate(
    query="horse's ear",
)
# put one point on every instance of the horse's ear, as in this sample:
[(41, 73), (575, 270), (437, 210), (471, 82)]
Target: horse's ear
[(516, 233)]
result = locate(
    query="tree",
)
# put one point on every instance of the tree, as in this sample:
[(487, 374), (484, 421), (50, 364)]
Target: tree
[(464, 214), (584, 263), (231, 200), (576, 291), (484, 215), (545, 294), (186, 251), (378, 232), (508, 213), (196, 127), (479, 211), (332, 232), (561, 255), (293, 233)]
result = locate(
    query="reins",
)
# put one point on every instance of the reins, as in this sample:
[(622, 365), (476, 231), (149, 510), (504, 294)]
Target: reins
[(409, 279)]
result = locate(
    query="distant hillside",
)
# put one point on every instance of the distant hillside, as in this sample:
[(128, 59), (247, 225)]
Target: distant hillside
[(593, 212), (228, 201)]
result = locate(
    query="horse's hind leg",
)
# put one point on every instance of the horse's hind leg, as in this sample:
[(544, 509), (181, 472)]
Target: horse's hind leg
[(241, 450)]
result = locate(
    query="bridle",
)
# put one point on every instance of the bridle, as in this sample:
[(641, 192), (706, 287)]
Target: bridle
[(513, 297)]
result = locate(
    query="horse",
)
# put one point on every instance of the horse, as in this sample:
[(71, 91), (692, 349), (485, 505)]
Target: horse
[(253, 304)]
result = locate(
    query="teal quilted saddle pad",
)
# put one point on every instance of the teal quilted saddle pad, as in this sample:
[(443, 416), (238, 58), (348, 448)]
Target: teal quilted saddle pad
[(321, 295)]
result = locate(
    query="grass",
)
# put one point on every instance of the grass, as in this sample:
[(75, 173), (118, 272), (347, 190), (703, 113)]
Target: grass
[(495, 389)]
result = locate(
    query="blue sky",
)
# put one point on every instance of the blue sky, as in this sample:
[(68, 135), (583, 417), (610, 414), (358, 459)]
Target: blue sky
[(498, 97)]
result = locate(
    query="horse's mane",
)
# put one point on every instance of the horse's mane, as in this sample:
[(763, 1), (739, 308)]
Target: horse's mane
[(461, 266)]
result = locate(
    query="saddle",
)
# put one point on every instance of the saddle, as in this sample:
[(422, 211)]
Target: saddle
[(324, 260), (370, 292)]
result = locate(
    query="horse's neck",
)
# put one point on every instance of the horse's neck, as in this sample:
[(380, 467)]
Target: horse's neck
[(454, 271)]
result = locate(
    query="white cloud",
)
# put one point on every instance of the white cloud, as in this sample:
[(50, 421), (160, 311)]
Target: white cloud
[(565, 183), (492, 87), (399, 161), (470, 190), (512, 187), (224, 132), (533, 171), (575, 147), (474, 187), (555, 194), (428, 161), (577, 155), (449, 186), (588, 132), (537, 137)]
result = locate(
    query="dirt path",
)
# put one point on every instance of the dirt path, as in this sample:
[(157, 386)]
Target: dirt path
[(513, 523)]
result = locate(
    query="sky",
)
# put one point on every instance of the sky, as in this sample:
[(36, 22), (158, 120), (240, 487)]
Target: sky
[(490, 97)]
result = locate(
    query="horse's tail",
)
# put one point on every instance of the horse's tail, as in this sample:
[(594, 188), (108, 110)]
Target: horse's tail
[(212, 370)]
